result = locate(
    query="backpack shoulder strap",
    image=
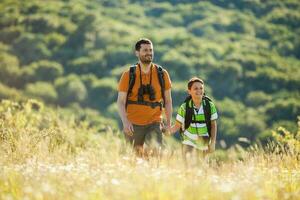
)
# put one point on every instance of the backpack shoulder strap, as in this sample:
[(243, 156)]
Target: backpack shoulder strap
[(188, 112), (131, 78), (160, 74), (132, 75), (207, 113)]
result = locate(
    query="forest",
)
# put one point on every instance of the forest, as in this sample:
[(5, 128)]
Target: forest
[(69, 55)]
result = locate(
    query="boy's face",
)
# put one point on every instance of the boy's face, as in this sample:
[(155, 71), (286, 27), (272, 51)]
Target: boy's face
[(197, 90)]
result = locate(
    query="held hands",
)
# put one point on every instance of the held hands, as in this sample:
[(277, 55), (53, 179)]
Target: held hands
[(171, 129), (165, 129)]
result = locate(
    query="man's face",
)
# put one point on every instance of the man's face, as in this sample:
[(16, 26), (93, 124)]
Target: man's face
[(145, 54), (197, 90)]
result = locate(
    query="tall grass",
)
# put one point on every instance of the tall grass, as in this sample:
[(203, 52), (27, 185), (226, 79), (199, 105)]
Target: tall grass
[(47, 156)]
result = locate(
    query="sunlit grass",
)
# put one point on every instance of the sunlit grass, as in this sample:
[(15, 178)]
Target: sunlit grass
[(44, 163)]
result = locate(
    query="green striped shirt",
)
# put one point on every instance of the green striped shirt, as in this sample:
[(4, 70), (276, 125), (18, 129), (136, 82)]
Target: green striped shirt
[(192, 135)]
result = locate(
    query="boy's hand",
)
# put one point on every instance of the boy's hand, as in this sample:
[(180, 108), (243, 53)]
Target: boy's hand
[(167, 132), (211, 147)]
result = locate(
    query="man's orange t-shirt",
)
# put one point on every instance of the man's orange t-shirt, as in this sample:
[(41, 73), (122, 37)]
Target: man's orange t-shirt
[(142, 114)]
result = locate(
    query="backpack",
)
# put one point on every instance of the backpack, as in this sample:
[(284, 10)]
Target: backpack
[(160, 74), (190, 115)]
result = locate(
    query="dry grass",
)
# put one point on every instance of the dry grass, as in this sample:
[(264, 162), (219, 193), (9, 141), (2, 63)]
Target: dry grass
[(43, 163)]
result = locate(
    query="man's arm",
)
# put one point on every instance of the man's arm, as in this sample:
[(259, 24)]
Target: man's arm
[(127, 125), (212, 144), (168, 107)]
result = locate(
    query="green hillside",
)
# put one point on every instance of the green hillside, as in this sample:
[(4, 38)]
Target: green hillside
[(71, 53)]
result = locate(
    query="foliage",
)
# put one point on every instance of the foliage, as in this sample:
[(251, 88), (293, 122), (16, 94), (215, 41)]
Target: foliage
[(72, 53), (42, 90), (287, 140), (70, 89), (42, 70), (9, 71)]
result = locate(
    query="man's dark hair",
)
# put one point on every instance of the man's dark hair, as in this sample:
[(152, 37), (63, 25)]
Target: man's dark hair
[(140, 42), (193, 80)]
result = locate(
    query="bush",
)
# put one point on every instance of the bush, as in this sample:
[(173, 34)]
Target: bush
[(288, 141)]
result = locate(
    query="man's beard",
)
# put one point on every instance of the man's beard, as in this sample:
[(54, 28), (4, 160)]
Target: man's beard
[(146, 60)]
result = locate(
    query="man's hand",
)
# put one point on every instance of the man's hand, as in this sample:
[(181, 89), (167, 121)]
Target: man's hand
[(165, 129), (128, 128), (121, 102)]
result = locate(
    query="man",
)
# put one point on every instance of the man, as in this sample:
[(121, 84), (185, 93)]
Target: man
[(141, 105), (197, 119)]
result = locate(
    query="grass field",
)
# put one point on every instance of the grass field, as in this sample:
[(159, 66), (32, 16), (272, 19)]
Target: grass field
[(45, 158)]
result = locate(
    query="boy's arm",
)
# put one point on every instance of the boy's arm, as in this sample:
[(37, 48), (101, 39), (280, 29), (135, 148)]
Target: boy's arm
[(212, 144), (175, 127)]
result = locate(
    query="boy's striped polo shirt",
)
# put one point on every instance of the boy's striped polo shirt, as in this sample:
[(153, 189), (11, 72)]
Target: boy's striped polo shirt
[(192, 135)]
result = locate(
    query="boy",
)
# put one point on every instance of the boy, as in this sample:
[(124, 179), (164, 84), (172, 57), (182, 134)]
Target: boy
[(197, 119)]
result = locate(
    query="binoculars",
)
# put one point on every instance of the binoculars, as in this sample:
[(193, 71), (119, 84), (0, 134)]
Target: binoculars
[(146, 89)]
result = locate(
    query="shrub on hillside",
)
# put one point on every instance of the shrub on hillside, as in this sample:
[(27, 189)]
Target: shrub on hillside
[(290, 142)]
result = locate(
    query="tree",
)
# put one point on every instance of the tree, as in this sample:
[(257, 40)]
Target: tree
[(102, 93), (70, 89), (257, 98), (30, 48), (283, 109), (179, 65), (45, 70), (9, 34), (42, 90), (224, 80), (9, 70)]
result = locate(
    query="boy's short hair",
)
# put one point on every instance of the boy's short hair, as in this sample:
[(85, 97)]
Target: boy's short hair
[(193, 80), (140, 42)]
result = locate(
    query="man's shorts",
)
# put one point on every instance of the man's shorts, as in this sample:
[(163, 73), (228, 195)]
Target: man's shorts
[(150, 134)]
